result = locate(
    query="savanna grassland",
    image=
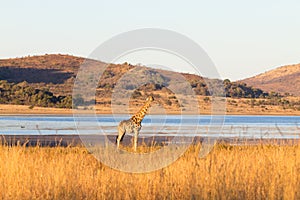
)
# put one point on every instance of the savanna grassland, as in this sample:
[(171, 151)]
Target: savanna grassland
[(228, 172)]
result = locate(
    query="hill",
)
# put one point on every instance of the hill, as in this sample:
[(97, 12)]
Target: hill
[(54, 72), (57, 73), (285, 79), (53, 77)]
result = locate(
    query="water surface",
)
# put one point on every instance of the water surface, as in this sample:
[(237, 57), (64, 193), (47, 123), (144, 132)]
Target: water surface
[(162, 125)]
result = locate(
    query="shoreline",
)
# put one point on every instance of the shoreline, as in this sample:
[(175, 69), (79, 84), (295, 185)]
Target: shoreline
[(109, 114), (23, 110)]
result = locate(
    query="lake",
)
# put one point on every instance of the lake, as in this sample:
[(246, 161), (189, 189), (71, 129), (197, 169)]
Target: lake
[(265, 127)]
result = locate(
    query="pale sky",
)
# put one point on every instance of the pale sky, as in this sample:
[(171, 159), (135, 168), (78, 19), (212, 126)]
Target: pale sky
[(243, 38)]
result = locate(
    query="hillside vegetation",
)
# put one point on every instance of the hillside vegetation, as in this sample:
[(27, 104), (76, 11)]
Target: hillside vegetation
[(23, 94), (51, 78), (56, 72)]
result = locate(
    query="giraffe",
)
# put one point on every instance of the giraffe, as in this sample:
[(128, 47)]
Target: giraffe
[(133, 125)]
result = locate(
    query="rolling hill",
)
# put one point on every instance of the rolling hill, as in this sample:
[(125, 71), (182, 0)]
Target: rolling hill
[(52, 76), (48, 81), (285, 79), (56, 73)]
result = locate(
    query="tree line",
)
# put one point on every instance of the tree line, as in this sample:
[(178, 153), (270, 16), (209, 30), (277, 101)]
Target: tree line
[(23, 94)]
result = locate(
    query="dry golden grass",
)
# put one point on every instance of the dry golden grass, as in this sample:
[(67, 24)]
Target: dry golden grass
[(239, 172)]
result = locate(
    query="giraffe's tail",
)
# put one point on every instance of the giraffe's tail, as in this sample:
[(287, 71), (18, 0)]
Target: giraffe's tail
[(121, 133), (120, 139)]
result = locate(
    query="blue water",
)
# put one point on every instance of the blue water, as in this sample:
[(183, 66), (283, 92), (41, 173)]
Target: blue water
[(227, 126)]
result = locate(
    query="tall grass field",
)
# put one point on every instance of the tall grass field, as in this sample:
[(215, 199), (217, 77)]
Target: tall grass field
[(228, 172)]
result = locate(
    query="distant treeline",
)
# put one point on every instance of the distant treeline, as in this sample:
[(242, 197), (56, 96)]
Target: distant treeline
[(23, 94), (208, 88), (201, 86), (230, 89), (241, 90)]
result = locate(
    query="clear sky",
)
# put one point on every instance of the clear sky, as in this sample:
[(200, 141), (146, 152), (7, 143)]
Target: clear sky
[(243, 38)]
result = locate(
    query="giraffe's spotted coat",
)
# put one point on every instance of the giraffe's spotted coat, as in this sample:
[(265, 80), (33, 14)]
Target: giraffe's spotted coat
[(133, 125)]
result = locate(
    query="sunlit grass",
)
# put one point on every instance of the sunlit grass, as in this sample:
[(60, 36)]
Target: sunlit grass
[(228, 172)]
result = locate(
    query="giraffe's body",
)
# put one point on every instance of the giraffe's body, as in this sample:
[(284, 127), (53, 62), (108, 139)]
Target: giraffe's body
[(133, 125)]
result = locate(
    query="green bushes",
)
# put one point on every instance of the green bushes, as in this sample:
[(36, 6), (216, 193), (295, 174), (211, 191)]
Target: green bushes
[(23, 94)]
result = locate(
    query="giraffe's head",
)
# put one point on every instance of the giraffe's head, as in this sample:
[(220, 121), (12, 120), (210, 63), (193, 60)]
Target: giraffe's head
[(150, 99)]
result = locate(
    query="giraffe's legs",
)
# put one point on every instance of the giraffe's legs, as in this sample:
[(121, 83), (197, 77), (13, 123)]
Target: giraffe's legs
[(136, 133), (120, 135)]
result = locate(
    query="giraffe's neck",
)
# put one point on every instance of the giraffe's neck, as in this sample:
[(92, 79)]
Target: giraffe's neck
[(139, 116)]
